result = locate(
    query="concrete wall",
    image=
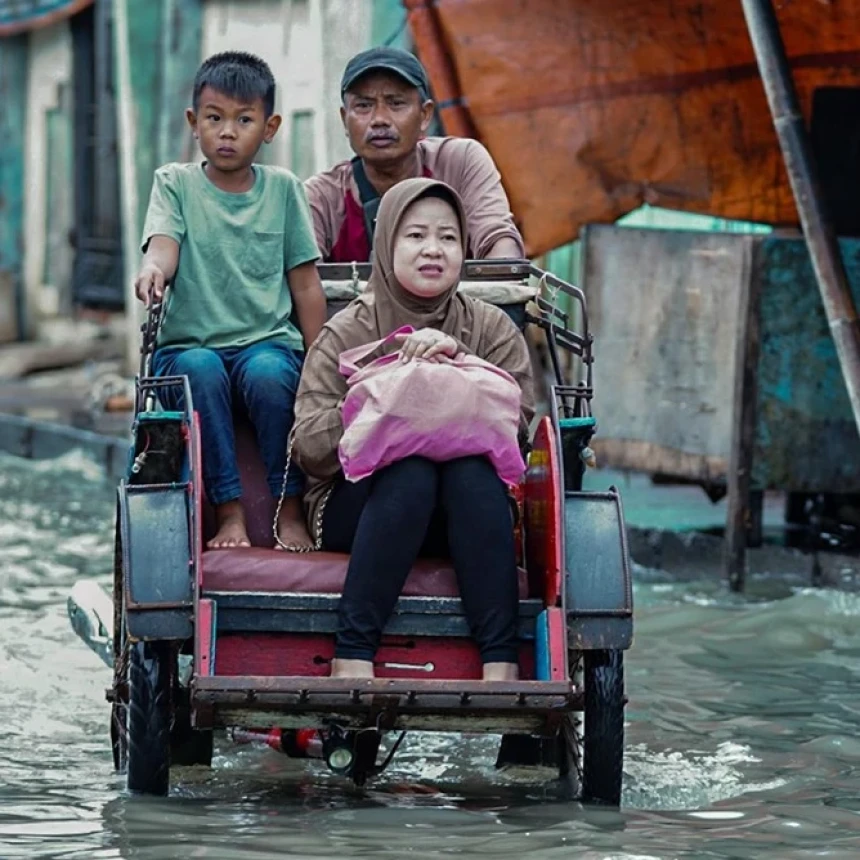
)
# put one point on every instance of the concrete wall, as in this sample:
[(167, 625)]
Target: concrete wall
[(307, 43), (49, 199)]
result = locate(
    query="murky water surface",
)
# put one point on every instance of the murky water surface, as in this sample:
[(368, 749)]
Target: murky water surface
[(742, 734)]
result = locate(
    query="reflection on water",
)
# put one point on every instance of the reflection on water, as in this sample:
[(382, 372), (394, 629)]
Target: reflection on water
[(742, 734)]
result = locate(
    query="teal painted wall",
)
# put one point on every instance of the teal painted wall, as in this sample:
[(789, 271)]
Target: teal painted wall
[(388, 24), (13, 106), (164, 53)]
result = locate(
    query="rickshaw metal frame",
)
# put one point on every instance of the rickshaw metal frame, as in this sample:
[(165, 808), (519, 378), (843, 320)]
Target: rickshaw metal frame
[(536, 707)]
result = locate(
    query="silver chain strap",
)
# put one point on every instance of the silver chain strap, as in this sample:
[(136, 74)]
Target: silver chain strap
[(318, 520)]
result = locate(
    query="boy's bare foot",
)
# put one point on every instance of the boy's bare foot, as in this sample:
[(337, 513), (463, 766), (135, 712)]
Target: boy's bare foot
[(501, 672), (230, 518), (341, 668), (291, 525)]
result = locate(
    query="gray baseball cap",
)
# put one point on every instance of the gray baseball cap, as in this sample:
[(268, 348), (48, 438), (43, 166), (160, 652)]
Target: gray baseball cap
[(396, 60)]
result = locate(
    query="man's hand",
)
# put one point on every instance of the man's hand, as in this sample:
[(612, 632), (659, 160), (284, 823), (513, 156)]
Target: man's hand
[(426, 343), (149, 283)]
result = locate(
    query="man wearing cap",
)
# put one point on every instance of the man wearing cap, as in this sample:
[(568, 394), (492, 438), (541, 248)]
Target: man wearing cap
[(386, 112)]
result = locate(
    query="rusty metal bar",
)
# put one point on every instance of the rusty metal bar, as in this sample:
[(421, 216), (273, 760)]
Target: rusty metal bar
[(818, 231), (379, 686)]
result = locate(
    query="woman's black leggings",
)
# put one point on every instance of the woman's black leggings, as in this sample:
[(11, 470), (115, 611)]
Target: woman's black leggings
[(414, 507)]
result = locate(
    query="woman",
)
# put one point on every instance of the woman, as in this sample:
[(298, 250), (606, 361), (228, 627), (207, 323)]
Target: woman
[(457, 509)]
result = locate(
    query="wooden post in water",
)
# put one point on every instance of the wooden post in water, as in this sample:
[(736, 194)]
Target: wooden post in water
[(817, 226), (742, 513)]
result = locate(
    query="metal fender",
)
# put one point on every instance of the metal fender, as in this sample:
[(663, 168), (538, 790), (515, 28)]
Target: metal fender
[(157, 561), (598, 590)]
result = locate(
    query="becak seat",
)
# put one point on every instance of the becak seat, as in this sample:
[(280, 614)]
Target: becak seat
[(262, 568)]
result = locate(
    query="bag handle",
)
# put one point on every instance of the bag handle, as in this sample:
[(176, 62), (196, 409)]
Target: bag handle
[(350, 359), (317, 528)]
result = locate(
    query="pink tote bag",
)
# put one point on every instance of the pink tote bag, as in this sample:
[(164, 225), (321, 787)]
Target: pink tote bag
[(440, 410)]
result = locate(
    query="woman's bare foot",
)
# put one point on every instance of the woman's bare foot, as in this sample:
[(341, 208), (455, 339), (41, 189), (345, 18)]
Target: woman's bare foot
[(230, 518), (291, 525), (341, 668), (501, 672)]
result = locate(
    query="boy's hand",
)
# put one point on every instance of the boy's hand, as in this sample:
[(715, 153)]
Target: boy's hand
[(149, 284)]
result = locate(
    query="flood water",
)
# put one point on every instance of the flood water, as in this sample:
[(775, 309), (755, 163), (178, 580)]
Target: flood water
[(742, 735)]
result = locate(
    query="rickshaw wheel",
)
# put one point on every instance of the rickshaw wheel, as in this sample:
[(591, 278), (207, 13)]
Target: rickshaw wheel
[(118, 718), (149, 682), (591, 755), (118, 737), (187, 746)]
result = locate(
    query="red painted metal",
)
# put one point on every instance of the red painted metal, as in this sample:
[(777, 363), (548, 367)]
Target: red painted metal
[(543, 516), (518, 493), (284, 654), (203, 632), (557, 630), (195, 453)]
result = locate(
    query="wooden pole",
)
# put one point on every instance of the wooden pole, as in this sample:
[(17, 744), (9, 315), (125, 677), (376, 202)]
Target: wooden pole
[(740, 514), (128, 182), (817, 226)]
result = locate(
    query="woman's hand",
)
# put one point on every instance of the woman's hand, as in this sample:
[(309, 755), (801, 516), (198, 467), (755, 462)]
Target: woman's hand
[(426, 343)]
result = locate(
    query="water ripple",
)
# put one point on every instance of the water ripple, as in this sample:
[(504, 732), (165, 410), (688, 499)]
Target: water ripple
[(742, 733)]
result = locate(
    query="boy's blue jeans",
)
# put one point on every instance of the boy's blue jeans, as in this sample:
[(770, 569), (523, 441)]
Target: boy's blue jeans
[(263, 378)]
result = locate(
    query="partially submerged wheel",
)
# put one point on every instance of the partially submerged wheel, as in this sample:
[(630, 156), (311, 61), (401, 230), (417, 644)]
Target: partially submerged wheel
[(149, 681), (156, 680), (591, 754), (188, 746)]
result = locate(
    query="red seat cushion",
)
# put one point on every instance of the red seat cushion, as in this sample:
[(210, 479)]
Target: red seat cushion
[(257, 569)]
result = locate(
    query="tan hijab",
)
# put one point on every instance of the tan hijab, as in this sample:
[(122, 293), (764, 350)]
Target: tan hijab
[(386, 305), (480, 328)]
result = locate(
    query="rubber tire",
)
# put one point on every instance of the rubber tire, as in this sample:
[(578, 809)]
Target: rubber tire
[(603, 735), (119, 747), (149, 718)]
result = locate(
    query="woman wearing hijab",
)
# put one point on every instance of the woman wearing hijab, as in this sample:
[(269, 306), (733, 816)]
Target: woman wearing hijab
[(457, 509)]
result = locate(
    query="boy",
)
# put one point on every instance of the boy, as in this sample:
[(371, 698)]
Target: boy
[(226, 232)]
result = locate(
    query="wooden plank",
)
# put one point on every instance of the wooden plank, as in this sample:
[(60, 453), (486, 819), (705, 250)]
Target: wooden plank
[(638, 456), (739, 517), (662, 309)]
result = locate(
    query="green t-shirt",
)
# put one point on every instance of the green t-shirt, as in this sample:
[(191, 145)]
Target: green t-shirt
[(230, 288)]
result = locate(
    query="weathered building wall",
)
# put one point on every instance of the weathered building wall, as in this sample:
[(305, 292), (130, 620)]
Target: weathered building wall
[(48, 177), (13, 83), (307, 43)]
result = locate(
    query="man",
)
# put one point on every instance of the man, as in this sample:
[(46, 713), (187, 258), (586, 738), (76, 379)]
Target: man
[(386, 112)]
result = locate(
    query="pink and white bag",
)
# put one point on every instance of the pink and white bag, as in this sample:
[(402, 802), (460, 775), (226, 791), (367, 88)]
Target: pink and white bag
[(440, 410)]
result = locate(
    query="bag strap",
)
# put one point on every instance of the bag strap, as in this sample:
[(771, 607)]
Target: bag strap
[(370, 198), (317, 544), (350, 359)]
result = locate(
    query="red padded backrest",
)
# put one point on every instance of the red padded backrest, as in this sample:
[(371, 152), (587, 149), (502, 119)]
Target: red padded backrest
[(256, 496)]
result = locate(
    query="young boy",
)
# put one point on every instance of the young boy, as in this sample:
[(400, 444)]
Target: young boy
[(225, 233)]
